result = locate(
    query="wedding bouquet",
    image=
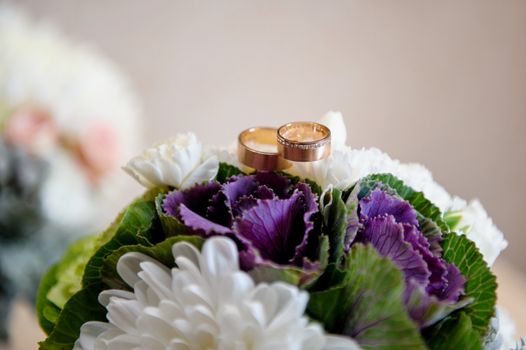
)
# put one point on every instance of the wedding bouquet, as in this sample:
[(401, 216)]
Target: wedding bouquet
[(67, 119), (324, 247)]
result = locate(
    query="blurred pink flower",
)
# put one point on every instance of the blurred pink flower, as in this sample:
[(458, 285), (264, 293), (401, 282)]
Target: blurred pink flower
[(99, 150), (32, 129)]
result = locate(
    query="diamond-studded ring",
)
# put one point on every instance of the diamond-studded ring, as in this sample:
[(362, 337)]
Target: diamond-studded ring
[(304, 141)]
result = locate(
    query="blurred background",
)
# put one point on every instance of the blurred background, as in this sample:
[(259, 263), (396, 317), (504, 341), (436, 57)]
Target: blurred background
[(440, 83)]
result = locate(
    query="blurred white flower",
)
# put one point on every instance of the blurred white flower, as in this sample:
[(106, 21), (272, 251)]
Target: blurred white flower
[(58, 189), (479, 228), (177, 162), (204, 303), (56, 96), (72, 82)]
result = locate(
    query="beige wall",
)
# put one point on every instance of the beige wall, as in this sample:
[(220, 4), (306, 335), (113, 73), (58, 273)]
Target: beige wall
[(438, 82)]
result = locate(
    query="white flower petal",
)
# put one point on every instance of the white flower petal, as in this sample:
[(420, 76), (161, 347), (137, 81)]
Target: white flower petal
[(186, 250), (128, 266), (106, 295), (90, 331), (340, 343), (219, 258), (334, 121), (204, 172)]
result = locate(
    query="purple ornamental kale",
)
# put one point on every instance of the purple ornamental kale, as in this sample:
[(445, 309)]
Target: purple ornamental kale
[(433, 287), (270, 218)]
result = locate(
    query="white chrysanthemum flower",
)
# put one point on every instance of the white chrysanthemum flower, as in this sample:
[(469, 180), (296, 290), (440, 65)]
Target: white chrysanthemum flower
[(177, 162), (204, 303), (479, 228)]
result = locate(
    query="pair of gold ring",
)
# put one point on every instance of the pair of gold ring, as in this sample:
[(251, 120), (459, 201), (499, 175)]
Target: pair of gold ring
[(270, 149)]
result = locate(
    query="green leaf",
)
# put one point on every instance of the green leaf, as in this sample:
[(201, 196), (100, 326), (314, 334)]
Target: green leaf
[(161, 252), (225, 171), (454, 333), (70, 270), (82, 307), (452, 219), (139, 225), (367, 305), (481, 283), (323, 251), (468, 326), (267, 274), (74, 260), (313, 186), (47, 312), (334, 224), (422, 205)]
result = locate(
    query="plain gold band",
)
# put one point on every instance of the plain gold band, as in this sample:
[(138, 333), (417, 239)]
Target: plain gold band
[(304, 141), (258, 159)]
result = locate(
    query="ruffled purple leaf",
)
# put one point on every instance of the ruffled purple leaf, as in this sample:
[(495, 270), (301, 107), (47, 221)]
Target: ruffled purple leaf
[(454, 287), (195, 198), (200, 225), (433, 287), (310, 207), (274, 227), (436, 265), (426, 309), (387, 236), (380, 203), (279, 184)]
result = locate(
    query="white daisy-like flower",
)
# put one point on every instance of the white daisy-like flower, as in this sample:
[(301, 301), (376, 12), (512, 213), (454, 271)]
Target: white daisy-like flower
[(178, 162), (206, 303)]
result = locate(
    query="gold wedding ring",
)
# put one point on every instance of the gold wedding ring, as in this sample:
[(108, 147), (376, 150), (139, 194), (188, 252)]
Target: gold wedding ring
[(304, 141), (258, 148)]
